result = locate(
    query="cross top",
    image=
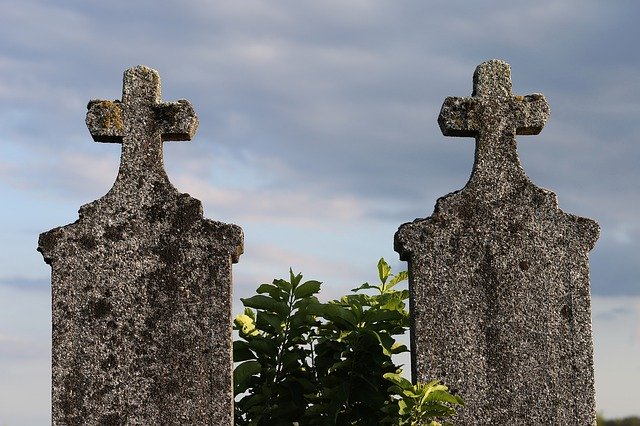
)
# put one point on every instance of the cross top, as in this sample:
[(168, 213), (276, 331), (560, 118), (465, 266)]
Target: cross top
[(494, 116), (492, 78), (141, 122)]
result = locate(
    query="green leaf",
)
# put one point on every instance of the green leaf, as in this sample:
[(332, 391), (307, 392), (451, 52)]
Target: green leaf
[(334, 313), (242, 373), (404, 407), (260, 301), (250, 313), (393, 304), (266, 288), (307, 289), (273, 291), (241, 351), (399, 277), (315, 363), (398, 380), (383, 270), (398, 348), (269, 323), (303, 303), (436, 410), (245, 325), (264, 348), (295, 279), (381, 316), (365, 286), (252, 400), (440, 395), (284, 285)]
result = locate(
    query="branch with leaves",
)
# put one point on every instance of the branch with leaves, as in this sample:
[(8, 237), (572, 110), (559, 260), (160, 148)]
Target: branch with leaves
[(300, 360)]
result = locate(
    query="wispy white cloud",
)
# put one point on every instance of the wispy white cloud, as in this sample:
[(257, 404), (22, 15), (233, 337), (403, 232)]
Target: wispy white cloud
[(67, 175), (272, 205), (26, 283)]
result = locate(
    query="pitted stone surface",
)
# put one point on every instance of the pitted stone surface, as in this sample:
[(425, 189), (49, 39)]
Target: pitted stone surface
[(141, 283), (499, 275)]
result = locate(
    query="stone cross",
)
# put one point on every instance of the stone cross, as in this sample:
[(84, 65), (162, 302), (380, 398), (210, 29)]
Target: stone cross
[(499, 275), (494, 116), (141, 122), (141, 283)]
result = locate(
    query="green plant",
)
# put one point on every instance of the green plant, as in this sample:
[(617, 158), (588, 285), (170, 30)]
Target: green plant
[(627, 421), (275, 353), (354, 350), (419, 404), (315, 363)]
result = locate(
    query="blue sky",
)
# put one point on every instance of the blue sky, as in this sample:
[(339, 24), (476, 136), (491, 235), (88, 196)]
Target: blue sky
[(318, 136)]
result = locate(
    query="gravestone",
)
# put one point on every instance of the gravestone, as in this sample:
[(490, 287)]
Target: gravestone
[(141, 283), (499, 275)]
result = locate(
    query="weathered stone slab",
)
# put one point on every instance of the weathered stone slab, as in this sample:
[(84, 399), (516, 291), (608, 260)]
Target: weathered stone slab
[(499, 275), (142, 283)]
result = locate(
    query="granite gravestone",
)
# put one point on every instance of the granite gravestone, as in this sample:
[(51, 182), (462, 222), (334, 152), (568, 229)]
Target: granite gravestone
[(499, 275), (141, 283)]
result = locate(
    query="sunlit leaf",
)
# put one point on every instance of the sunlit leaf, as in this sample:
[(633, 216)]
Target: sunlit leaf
[(245, 325), (383, 270), (397, 278)]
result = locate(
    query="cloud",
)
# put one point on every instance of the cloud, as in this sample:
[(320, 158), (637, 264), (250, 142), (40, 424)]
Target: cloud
[(615, 264), (269, 205), (73, 175), (12, 347), (26, 283)]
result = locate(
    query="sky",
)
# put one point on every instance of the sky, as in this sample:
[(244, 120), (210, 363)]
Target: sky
[(318, 136)]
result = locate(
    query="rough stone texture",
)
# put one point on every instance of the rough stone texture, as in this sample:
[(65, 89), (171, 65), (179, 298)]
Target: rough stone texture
[(142, 283), (499, 275)]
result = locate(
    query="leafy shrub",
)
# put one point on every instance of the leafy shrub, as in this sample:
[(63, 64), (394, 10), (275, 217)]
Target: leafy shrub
[(421, 403), (627, 421), (302, 361)]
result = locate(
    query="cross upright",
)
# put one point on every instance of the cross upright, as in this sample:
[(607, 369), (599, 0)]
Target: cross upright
[(141, 122), (494, 116)]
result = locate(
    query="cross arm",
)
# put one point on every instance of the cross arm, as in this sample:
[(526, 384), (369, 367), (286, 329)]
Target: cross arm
[(105, 120), (531, 113), (458, 117), (177, 120)]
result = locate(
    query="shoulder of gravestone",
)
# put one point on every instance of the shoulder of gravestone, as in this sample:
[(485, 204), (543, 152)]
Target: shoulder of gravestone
[(585, 231), (49, 242), (228, 237), (409, 235)]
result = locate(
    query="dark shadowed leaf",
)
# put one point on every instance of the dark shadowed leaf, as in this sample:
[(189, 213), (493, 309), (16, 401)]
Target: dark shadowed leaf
[(307, 289), (260, 301), (242, 373), (241, 351)]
